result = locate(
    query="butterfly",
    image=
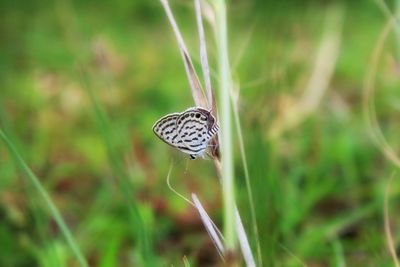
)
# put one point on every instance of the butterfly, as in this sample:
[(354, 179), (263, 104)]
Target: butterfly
[(189, 131)]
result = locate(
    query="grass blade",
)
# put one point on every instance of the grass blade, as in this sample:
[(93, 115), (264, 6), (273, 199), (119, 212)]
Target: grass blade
[(210, 226), (43, 193), (388, 233), (247, 180), (203, 57), (227, 173), (138, 227), (318, 84), (368, 98), (244, 242), (195, 85)]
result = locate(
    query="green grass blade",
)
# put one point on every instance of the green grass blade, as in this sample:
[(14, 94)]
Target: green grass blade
[(397, 15), (248, 184), (339, 255), (138, 227), (43, 193), (186, 262), (225, 121)]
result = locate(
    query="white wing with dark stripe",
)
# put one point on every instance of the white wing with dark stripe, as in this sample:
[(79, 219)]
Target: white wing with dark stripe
[(196, 127), (165, 128), (189, 131)]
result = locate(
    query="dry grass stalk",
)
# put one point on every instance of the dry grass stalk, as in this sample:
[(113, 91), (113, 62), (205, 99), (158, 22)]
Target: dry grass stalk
[(210, 103), (368, 98), (212, 230), (374, 129), (195, 85), (319, 81), (199, 97), (388, 233)]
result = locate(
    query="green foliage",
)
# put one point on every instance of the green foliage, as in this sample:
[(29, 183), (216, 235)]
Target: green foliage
[(82, 82)]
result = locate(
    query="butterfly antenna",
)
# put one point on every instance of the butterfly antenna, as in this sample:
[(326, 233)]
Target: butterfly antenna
[(173, 190)]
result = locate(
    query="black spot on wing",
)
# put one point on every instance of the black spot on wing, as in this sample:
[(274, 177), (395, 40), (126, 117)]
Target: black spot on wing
[(168, 132), (192, 133), (172, 124), (174, 137), (191, 140), (190, 121), (196, 145)]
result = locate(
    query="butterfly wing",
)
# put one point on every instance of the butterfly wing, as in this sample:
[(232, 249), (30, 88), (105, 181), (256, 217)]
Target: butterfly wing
[(189, 131), (195, 128), (166, 129)]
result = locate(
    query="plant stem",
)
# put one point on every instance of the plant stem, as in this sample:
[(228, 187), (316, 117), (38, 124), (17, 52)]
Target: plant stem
[(225, 121)]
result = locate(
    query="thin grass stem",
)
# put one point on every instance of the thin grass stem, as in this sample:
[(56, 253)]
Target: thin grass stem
[(368, 98), (388, 232), (247, 180), (203, 55), (244, 242), (210, 227), (225, 121)]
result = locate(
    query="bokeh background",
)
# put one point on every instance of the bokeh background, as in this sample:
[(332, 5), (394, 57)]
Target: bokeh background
[(82, 82)]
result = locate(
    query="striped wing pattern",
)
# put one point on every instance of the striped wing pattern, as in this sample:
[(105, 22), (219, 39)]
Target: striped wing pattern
[(165, 128), (189, 131)]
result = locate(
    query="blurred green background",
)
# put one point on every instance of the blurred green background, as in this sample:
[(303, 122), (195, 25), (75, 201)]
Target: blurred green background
[(82, 82)]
